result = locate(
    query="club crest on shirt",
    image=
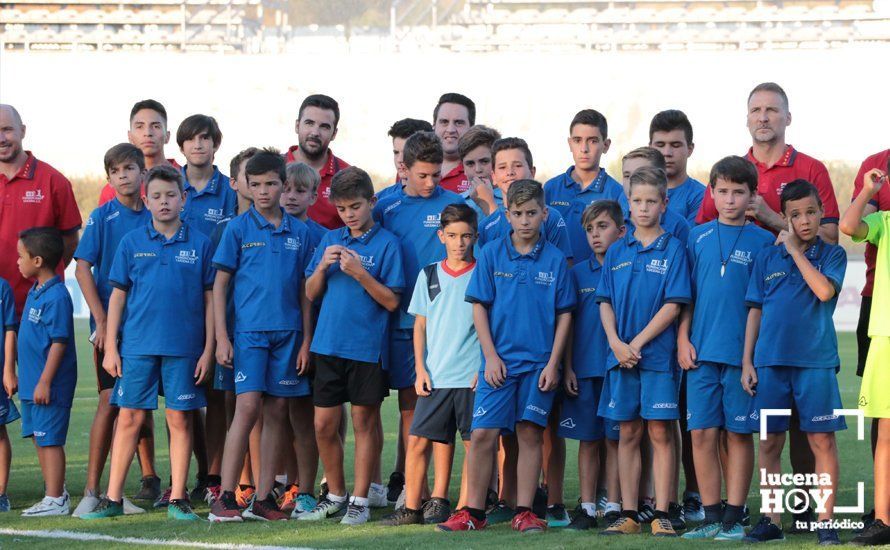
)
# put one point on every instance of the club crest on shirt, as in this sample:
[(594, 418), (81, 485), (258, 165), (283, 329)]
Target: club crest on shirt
[(34, 315), (367, 261), (292, 243), (432, 220), (187, 257), (33, 197), (659, 267), (741, 257), (213, 215), (545, 278)]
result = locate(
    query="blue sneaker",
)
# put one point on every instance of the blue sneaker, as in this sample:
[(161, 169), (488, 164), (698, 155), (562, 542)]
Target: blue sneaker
[(828, 537), (765, 531), (703, 531), (4, 503), (736, 534)]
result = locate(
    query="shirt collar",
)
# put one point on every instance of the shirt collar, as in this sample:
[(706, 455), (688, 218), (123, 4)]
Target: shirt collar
[(27, 170), (154, 234), (515, 255), (658, 244), (329, 166), (211, 185), (597, 185), (785, 161), (39, 289), (263, 223), (814, 252), (594, 264), (364, 238)]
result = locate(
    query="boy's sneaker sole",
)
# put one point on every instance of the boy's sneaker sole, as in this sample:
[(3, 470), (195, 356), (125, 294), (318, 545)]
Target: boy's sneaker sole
[(224, 519)]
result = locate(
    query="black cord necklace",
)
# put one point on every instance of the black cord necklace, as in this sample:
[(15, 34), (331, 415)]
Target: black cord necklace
[(725, 261)]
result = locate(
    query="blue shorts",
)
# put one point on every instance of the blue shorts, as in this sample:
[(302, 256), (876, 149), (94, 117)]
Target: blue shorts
[(715, 398), (267, 362), (578, 419), (137, 388), (517, 400), (47, 424), (8, 411), (399, 362), (630, 394), (813, 392)]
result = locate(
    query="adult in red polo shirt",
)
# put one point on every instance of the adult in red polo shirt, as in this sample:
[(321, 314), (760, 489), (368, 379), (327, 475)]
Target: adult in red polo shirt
[(148, 131), (778, 163), (316, 128), (32, 193), (453, 116)]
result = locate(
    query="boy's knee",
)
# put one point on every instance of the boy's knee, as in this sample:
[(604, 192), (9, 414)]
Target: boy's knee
[(484, 439), (706, 437), (822, 442), (631, 432), (130, 419), (660, 433), (529, 433), (773, 444), (179, 420)]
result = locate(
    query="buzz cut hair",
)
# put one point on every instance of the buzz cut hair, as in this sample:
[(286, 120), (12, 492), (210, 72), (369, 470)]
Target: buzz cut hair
[(523, 191), (44, 242)]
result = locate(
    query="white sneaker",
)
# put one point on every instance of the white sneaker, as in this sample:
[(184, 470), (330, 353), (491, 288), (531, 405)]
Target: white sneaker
[(356, 515), (131, 509), (86, 505), (400, 502), (49, 506), (377, 496)]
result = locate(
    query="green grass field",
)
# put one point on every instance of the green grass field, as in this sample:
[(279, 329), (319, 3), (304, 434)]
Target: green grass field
[(26, 487)]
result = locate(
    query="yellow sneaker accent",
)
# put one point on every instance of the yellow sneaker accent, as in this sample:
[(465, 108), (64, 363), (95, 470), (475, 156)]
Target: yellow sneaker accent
[(662, 528), (622, 526)]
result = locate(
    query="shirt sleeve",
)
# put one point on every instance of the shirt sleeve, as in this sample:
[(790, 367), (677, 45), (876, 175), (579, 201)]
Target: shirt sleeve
[(693, 202), (691, 260), (604, 289), (681, 229), (835, 267), (377, 213), (859, 181), (58, 318), (481, 288), (822, 181), (119, 276), (875, 223), (231, 205), (420, 298), (392, 275), (708, 211), (677, 289), (7, 307), (754, 295), (228, 254), (207, 271), (316, 257), (65, 205), (558, 233), (566, 293), (90, 246)]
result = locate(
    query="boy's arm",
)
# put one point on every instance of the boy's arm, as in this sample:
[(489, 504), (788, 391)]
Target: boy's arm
[(570, 381), (818, 283), (686, 353), (84, 275), (223, 344), (303, 362), (752, 331), (422, 384), (205, 362), (495, 370), (627, 356), (550, 376), (351, 264), (851, 223), (10, 380), (665, 316), (53, 361), (112, 361)]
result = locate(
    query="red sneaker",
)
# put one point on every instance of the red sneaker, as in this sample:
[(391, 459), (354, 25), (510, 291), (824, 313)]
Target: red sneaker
[(264, 510), (462, 521), (528, 522)]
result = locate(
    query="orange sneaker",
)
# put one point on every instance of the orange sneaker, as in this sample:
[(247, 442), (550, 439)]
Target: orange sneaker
[(528, 522), (462, 521), (245, 495), (288, 500)]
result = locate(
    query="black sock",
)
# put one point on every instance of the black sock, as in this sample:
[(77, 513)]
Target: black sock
[(477, 513), (732, 515), (228, 493), (632, 514), (413, 511), (713, 512), (658, 514), (214, 480), (175, 501), (245, 487), (521, 509)]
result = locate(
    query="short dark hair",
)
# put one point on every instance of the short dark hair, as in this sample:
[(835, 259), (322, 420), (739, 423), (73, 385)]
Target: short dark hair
[(407, 127), (459, 99), (799, 189), (422, 147), (267, 160), (477, 136), (770, 87), (150, 104), (235, 164), (505, 144), (523, 191), (646, 175), (121, 153), (456, 213), (45, 242), (672, 119), (165, 173), (651, 154), (598, 207), (591, 117), (735, 169), (351, 183), (195, 125), (321, 101)]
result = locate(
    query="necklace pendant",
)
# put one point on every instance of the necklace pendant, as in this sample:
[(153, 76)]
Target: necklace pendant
[(722, 269)]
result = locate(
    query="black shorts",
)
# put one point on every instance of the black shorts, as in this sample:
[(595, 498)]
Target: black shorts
[(104, 380), (862, 339), (441, 413), (338, 380)]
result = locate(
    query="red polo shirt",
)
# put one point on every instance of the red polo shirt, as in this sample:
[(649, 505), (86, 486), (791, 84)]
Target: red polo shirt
[(456, 180), (37, 196), (108, 191), (881, 201), (323, 211), (771, 180)]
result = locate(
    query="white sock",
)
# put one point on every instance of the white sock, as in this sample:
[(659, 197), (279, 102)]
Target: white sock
[(360, 501), (336, 498), (282, 479), (377, 487), (589, 508), (612, 507)]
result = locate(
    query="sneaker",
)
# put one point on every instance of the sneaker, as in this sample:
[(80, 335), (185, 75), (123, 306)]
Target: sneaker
[(582, 522), (49, 506), (622, 526), (131, 509), (324, 509), (377, 496), (765, 531), (462, 521), (736, 534), (602, 498), (199, 493), (675, 515), (322, 489), (4, 503), (355, 514), (164, 500), (703, 531), (400, 501), (436, 510), (746, 517), (288, 499), (181, 510), (491, 498), (150, 489), (245, 495), (303, 504), (646, 513), (662, 527), (224, 509), (86, 505), (264, 510), (105, 509), (867, 520), (278, 489), (557, 516), (395, 486), (611, 517), (499, 513), (827, 537), (693, 510), (539, 504), (800, 523), (874, 535), (213, 493), (404, 517), (528, 522)]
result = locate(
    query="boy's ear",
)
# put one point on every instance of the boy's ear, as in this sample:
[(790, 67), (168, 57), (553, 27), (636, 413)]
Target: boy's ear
[(622, 231), (441, 235), (533, 171), (313, 197), (691, 147), (606, 144), (373, 201), (167, 137)]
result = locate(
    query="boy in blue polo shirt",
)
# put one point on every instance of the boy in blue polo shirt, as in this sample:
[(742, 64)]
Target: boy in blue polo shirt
[(796, 363), (671, 221), (522, 295), (300, 192), (209, 197), (586, 180), (161, 271), (47, 363), (265, 251), (710, 343), (671, 133), (645, 280), (106, 226), (357, 271), (8, 411)]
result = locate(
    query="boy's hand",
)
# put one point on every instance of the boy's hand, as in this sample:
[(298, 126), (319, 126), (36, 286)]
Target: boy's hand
[(422, 384), (627, 356), (686, 354), (203, 367), (481, 190), (224, 352), (10, 383), (303, 359), (792, 241), (41, 393), (571, 383), (873, 180), (495, 371), (749, 378), (331, 255), (99, 343), (474, 382), (351, 264), (549, 378), (112, 363)]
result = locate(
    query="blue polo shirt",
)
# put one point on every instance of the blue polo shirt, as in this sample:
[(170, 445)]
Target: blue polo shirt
[(638, 281), (48, 318), (165, 282), (104, 230), (720, 315), (215, 239), (316, 232), (267, 265), (565, 195), (205, 208), (673, 223), (796, 329), (589, 344), (523, 293), (389, 190), (685, 199), (7, 314), (351, 324), (415, 222), (496, 226)]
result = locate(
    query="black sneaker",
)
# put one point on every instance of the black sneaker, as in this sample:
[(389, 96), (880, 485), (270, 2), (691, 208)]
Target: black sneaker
[(765, 531), (539, 505), (322, 490), (199, 493), (827, 537), (746, 517), (675, 515), (867, 520), (403, 517), (582, 522), (436, 510), (874, 535), (491, 498), (646, 513), (150, 489), (611, 517), (800, 523), (395, 486)]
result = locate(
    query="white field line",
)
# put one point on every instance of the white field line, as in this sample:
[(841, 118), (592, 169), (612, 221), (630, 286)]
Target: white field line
[(95, 537)]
